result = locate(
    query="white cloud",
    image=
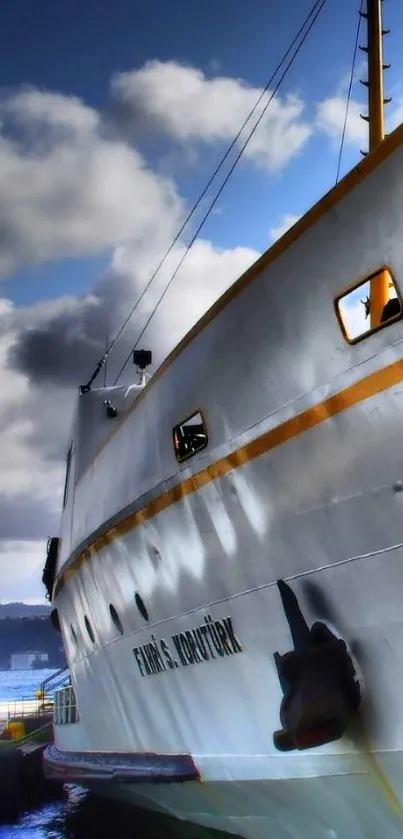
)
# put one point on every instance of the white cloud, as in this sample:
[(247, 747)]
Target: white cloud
[(288, 220), (331, 115), (33, 109), (182, 102), (66, 189), (6, 306), (204, 276), (330, 118), (71, 185)]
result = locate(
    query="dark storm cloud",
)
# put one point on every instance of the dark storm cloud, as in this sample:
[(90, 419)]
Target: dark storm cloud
[(65, 347), (24, 517), (49, 354)]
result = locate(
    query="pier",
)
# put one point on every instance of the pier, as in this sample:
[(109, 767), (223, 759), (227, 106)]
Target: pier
[(22, 781), (26, 727)]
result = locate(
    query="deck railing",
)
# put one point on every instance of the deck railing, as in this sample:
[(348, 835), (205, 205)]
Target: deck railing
[(56, 680), (42, 702), (65, 706), (25, 706)]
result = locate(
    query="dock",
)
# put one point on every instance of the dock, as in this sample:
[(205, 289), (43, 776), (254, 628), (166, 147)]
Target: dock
[(26, 728), (22, 781)]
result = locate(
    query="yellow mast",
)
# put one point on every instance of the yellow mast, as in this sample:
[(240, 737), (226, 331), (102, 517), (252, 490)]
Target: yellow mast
[(379, 294)]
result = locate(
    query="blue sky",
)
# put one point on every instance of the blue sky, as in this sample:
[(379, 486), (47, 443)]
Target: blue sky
[(113, 115)]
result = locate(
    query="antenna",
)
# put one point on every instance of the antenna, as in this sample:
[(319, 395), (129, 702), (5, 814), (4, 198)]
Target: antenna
[(379, 294)]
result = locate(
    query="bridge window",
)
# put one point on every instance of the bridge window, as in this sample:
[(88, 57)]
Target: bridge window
[(190, 436), (368, 306)]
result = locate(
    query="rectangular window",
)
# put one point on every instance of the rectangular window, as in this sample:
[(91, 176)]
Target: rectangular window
[(190, 436), (368, 306)]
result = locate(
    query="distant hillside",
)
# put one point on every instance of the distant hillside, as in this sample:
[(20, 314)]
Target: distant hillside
[(18, 635), (22, 610)]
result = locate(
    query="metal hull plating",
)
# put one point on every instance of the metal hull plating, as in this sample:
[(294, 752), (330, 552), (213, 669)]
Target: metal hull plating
[(352, 798), (344, 806), (301, 480)]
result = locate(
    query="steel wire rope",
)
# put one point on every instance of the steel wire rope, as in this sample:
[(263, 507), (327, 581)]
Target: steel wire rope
[(349, 90), (108, 350), (224, 183)]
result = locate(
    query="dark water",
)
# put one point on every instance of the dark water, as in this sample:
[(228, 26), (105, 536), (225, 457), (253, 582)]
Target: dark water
[(82, 816), (79, 815)]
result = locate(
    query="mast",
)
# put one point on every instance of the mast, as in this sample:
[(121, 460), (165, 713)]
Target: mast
[(379, 293)]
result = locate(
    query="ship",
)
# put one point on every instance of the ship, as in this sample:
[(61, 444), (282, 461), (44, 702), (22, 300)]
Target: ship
[(228, 576)]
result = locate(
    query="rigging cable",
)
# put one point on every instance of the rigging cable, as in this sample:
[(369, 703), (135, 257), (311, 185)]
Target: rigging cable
[(349, 90), (320, 6), (103, 360)]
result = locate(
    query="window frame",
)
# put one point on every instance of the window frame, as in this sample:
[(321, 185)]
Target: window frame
[(352, 287), (182, 422)]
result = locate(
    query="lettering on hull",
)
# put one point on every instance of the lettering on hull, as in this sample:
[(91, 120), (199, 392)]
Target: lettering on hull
[(212, 639)]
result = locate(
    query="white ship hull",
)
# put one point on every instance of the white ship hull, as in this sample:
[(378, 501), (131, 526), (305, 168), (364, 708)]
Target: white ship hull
[(350, 797), (345, 805), (300, 481)]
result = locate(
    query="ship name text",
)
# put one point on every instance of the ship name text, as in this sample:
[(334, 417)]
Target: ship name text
[(212, 639)]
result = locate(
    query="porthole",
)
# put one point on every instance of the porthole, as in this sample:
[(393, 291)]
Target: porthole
[(116, 619), (141, 606), (73, 634), (89, 629)]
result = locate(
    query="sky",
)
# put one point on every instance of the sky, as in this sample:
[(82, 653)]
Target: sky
[(113, 115)]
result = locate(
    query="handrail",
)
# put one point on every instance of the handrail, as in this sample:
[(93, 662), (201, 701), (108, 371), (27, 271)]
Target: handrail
[(45, 684), (65, 681)]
